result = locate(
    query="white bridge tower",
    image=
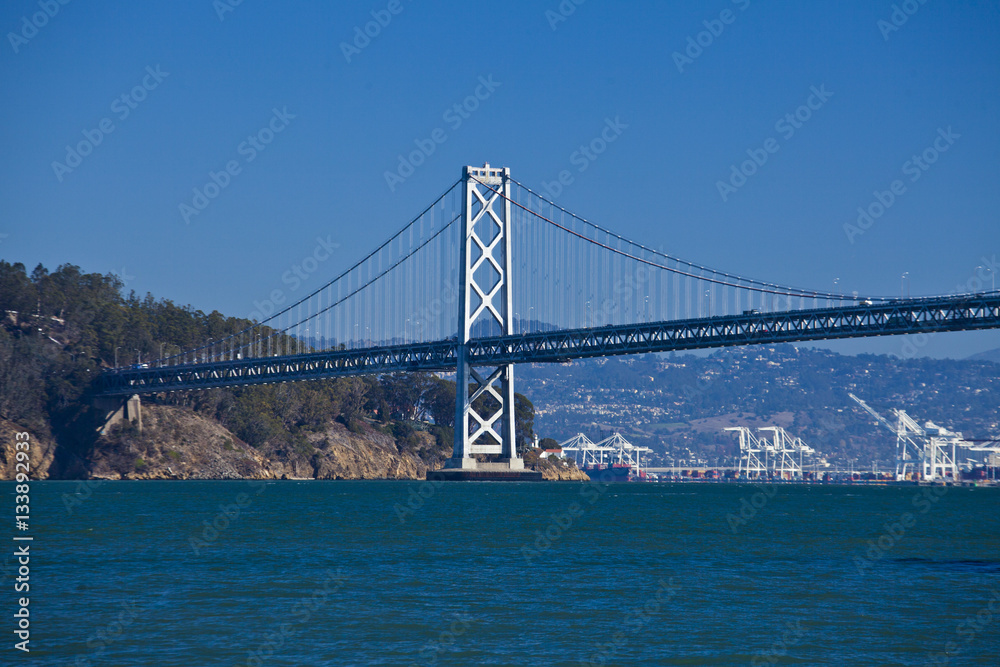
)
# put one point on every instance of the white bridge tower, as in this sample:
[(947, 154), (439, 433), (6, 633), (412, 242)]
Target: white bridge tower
[(484, 412)]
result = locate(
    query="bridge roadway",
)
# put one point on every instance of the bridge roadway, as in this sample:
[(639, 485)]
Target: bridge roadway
[(904, 316)]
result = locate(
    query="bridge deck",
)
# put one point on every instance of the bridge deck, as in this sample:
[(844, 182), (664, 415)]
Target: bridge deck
[(906, 316)]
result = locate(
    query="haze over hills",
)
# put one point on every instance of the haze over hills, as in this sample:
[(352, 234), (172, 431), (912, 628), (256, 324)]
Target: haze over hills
[(987, 355), (676, 403)]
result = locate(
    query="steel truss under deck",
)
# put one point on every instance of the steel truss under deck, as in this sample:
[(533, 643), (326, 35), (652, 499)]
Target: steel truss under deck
[(906, 316)]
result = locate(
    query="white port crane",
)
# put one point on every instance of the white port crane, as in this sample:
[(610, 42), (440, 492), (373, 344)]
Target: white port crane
[(583, 448), (613, 449), (784, 447), (629, 454), (930, 449), (779, 452), (750, 450)]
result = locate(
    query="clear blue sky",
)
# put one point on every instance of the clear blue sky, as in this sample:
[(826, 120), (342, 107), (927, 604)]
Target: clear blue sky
[(323, 175)]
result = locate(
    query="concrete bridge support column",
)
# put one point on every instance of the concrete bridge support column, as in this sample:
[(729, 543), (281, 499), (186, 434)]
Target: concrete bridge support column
[(116, 410)]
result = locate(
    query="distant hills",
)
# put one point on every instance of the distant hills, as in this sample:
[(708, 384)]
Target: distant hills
[(678, 404), (988, 355)]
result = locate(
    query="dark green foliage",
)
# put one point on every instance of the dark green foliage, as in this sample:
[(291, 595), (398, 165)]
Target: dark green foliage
[(524, 420), (405, 434), (22, 393), (532, 457), (403, 394), (61, 329), (440, 402), (445, 437)]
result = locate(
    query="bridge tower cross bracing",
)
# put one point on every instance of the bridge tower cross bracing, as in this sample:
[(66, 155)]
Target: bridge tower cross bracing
[(485, 303)]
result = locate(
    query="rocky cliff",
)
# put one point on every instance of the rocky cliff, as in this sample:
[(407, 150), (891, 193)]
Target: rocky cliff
[(40, 452), (175, 443), (555, 470), (336, 453), (180, 443)]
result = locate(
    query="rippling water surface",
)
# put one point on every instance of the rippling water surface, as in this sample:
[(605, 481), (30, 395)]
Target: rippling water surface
[(405, 573)]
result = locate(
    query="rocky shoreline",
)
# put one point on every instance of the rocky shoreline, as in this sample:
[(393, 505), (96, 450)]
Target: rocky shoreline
[(179, 443)]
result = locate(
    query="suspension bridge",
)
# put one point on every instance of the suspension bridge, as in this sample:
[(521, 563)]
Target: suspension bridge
[(493, 274)]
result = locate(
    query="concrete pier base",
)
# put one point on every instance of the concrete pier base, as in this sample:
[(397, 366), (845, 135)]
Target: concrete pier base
[(469, 469), (116, 410)]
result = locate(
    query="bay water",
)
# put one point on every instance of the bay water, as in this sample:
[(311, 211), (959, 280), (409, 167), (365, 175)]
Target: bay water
[(418, 573)]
